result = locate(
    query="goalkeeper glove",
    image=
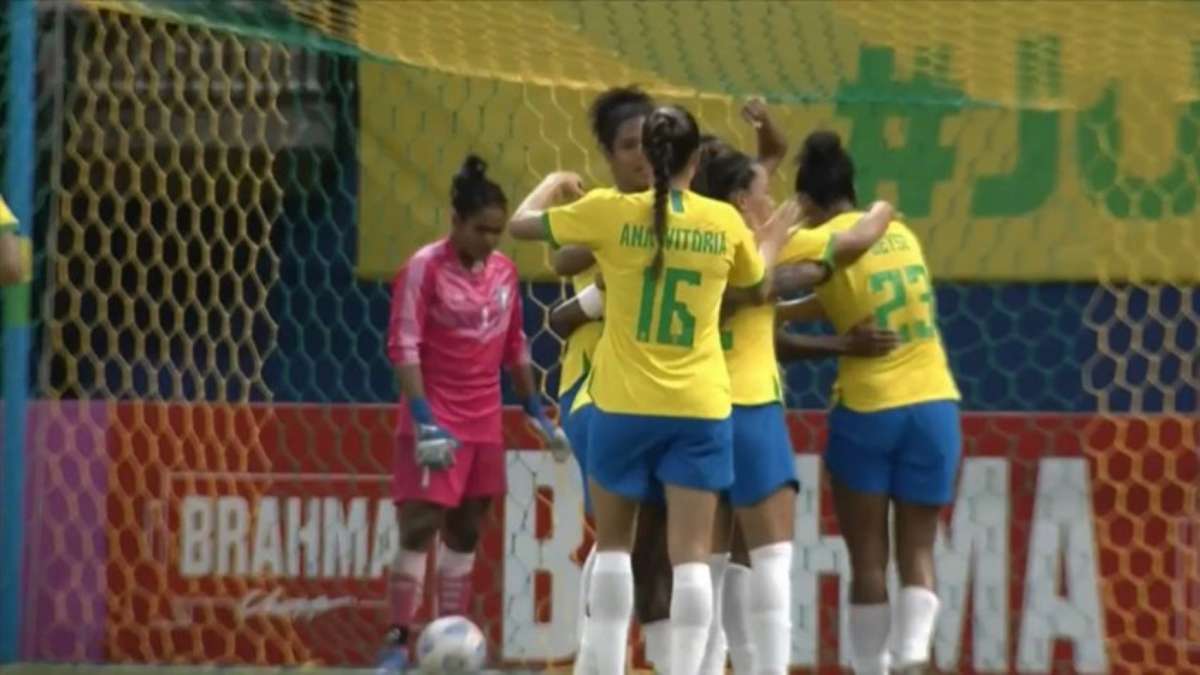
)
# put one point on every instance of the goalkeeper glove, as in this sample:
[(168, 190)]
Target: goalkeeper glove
[(554, 438), (435, 446)]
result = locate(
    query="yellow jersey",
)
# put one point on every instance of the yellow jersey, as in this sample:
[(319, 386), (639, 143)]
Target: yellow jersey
[(7, 220), (892, 283), (581, 343), (749, 342), (583, 398), (8, 228), (749, 335), (660, 349)]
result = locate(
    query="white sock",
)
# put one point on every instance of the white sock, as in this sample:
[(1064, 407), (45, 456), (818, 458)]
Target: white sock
[(869, 626), (770, 607), (406, 586), (610, 600), (691, 614), (656, 638), (735, 618), (585, 583), (916, 612), (453, 563), (454, 581), (714, 651)]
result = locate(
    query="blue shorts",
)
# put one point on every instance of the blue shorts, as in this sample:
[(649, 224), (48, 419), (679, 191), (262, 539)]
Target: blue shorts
[(636, 455), (763, 459), (910, 453), (575, 425)]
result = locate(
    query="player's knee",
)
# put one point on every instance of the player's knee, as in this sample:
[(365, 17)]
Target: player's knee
[(461, 536), (914, 564), (868, 567), (418, 537), (418, 525), (462, 527), (868, 584), (916, 532)]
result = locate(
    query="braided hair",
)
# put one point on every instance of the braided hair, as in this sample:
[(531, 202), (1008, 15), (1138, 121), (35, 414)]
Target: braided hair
[(670, 136)]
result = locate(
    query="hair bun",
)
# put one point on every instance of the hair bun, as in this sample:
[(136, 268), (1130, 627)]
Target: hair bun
[(473, 169), (471, 190), (826, 171), (662, 125), (822, 147)]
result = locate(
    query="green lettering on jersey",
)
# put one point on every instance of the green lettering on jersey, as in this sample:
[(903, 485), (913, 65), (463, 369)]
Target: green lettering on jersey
[(676, 239), (676, 324), (643, 236), (890, 243), (635, 236), (899, 286)]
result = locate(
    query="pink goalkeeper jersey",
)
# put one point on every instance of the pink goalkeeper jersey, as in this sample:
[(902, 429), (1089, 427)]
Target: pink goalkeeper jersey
[(459, 326)]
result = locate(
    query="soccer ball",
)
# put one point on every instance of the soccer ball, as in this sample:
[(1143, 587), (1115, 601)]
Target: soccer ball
[(452, 645)]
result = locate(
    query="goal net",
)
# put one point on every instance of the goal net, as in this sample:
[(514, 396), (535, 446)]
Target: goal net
[(224, 191)]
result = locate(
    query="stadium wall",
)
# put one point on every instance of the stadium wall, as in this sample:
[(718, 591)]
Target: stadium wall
[(265, 531)]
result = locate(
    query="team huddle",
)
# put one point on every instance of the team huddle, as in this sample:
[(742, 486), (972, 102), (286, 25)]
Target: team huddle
[(671, 397)]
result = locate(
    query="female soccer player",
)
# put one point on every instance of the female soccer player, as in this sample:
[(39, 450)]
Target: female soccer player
[(659, 383), (616, 118), (456, 317), (894, 434), (764, 485)]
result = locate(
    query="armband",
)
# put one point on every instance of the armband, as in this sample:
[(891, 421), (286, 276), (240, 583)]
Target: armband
[(591, 301)]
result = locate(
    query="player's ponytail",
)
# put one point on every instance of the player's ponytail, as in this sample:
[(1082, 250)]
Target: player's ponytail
[(662, 190), (670, 137), (471, 191), (825, 171)]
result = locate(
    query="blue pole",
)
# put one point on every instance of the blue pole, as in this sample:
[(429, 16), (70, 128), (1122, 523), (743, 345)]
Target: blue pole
[(19, 167)]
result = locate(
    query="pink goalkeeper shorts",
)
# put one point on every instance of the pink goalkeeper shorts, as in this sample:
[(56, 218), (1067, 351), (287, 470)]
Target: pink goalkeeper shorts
[(478, 471)]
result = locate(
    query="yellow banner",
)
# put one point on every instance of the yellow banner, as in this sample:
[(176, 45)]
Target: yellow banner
[(1027, 141)]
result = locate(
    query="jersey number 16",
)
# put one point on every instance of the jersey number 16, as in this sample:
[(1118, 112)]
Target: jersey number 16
[(670, 310)]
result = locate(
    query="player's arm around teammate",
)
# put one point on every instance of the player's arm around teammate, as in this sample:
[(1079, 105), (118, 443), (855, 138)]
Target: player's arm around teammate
[(894, 435), (863, 340), (843, 248), (658, 381), (764, 483), (455, 319)]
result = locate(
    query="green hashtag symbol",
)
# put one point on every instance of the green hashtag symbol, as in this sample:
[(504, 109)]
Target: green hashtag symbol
[(921, 104)]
